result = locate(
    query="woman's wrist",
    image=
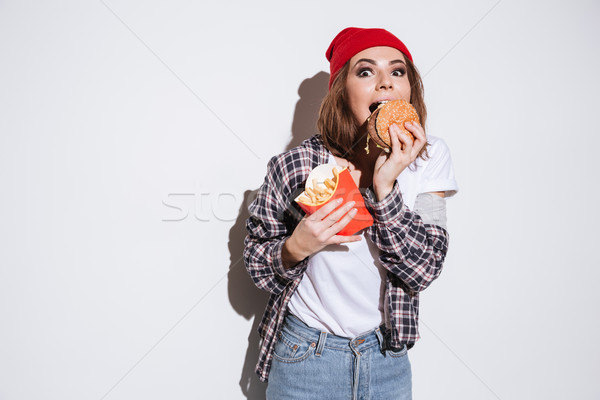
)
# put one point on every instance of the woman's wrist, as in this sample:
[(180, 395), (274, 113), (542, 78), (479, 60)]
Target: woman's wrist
[(381, 191), (290, 255)]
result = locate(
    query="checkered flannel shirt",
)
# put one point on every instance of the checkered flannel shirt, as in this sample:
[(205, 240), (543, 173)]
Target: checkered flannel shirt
[(412, 251)]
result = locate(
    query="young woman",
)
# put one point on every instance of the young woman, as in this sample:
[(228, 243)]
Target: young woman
[(343, 309)]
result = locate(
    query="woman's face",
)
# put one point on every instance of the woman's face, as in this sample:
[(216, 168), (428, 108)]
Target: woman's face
[(376, 74)]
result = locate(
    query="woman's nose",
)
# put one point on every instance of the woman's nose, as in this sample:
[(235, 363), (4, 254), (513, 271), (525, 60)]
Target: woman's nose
[(384, 82)]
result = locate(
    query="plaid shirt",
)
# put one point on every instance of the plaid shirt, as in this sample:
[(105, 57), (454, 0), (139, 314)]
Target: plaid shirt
[(411, 251)]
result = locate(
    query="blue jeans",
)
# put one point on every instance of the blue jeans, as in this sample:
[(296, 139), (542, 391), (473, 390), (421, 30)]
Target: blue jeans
[(310, 364)]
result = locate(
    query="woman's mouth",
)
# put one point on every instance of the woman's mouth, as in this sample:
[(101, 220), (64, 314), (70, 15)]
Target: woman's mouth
[(374, 106)]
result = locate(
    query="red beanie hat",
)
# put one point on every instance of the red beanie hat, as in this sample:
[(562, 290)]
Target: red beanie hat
[(351, 41)]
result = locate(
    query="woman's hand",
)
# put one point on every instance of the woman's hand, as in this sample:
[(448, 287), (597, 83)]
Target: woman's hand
[(318, 230), (404, 151)]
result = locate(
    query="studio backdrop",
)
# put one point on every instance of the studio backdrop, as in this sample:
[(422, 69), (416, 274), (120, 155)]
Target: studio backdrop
[(134, 134)]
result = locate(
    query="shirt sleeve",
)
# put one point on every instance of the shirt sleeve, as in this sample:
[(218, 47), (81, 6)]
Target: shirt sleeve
[(267, 233), (409, 249), (431, 208), (438, 175)]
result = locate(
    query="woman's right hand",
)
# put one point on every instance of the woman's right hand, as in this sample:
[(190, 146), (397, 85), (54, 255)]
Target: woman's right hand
[(318, 230)]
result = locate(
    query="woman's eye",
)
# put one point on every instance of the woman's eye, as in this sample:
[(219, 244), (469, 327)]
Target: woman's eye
[(365, 72), (398, 72)]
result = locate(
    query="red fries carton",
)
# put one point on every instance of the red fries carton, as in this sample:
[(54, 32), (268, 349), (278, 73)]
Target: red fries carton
[(328, 182)]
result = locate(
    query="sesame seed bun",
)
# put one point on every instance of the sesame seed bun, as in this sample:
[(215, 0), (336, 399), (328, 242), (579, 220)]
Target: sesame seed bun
[(392, 112)]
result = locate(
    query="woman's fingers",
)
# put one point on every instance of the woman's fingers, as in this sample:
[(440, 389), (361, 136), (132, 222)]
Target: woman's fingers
[(315, 231), (335, 216), (394, 130), (325, 210), (341, 222), (417, 131), (403, 139), (420, 138), (339, 239), (326, 219)]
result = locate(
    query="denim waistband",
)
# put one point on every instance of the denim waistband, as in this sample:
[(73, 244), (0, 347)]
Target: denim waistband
[(322, 339)]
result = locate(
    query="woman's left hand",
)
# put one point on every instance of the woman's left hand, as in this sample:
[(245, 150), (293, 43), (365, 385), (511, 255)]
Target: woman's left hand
[(404, 151)]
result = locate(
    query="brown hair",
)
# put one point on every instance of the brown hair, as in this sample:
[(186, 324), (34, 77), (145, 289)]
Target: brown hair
[(337, 125)]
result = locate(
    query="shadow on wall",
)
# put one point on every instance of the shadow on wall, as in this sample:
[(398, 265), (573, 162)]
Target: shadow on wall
[(311, 92), (245, 298)]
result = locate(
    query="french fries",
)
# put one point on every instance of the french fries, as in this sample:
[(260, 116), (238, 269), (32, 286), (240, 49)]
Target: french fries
[(329, 181), (320, 192)]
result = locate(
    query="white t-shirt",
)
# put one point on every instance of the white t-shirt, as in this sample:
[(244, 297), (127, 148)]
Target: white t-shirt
[(342, 290)]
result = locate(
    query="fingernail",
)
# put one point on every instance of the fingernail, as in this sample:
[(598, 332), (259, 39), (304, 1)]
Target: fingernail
[(351, 203), (353, 211), (338, 201)]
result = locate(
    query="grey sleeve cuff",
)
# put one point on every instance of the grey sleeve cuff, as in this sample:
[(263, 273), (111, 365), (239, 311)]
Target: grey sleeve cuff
[(431, 208)]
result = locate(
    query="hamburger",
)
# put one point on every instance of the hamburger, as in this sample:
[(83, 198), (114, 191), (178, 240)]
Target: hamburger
[(383, 115)]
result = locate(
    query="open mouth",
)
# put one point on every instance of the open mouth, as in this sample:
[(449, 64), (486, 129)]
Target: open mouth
[(374, 106)]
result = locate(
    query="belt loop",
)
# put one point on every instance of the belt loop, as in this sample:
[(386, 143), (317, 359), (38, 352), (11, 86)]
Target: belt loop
[(380, 340), (321, 344)]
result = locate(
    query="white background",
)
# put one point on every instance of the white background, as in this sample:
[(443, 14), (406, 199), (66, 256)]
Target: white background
[(133, 133)]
